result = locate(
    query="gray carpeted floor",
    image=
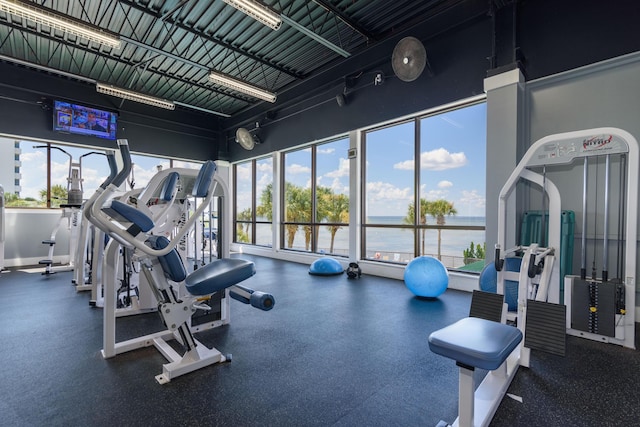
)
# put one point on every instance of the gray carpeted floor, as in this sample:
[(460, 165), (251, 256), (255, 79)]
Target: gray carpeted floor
[(333, 352)]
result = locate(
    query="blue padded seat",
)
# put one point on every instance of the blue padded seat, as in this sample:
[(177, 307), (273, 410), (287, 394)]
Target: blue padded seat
[(476, 342), (169, 186), (121, 211), (171, 263), (203, 180), (219, 274)]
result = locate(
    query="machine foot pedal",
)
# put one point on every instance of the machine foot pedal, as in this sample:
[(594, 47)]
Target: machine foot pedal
[(546, 327)]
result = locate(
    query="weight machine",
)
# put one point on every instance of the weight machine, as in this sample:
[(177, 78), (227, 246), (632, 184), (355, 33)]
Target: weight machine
[(130, 226), (542, 320), (70, 211)]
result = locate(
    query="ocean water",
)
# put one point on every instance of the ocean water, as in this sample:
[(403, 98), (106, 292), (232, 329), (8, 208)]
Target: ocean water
[(391, 241)]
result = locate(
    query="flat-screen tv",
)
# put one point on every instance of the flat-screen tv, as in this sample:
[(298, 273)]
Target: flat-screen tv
[(83, 120)]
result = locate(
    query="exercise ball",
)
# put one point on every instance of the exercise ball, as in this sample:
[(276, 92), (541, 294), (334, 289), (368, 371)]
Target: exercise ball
[(325, 266), (426, 276), (489, 281)]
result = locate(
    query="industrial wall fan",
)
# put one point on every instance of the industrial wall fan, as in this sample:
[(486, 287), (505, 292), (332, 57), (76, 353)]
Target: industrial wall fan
[(246, 138), (409, 59)]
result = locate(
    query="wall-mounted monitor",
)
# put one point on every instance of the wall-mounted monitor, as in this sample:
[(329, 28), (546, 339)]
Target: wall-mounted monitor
[(83, 120)]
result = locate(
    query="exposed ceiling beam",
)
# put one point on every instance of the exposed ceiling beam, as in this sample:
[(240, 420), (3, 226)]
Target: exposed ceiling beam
[(344, 18), (100, 54), (229, 46)]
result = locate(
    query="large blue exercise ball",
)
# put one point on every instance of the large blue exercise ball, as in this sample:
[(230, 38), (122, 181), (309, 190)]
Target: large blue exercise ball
[(426, 276)]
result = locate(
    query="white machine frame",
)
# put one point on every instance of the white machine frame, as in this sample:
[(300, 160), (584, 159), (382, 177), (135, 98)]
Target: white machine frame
[(477, 408), (562, 149), (200, 355)]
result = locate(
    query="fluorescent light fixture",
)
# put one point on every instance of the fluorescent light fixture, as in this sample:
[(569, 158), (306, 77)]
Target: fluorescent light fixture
[(241, 86), (50, 19), (134, 96), (257, 11)]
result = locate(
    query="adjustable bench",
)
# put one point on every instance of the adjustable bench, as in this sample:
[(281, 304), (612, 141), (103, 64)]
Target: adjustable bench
[(478, 343)]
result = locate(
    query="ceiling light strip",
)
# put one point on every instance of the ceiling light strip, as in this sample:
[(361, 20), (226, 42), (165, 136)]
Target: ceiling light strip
[(258, 12), (57, 22), (134, 96), (241, 86)]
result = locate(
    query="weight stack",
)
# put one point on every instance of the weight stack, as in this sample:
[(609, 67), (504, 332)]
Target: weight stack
[(594, 305)]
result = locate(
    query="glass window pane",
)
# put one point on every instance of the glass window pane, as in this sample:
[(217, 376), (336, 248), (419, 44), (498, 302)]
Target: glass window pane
[(243, 232), (297, 199), (24, 186), (333, 239), (389, 244), (452, 180), (390, 167), (264, 189), (144, 168), (91, 169), (243, 191), (332, 182), (264, 235)]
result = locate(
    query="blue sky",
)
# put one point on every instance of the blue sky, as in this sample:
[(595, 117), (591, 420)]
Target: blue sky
[(94, 168), (453, 159), (453, 147)]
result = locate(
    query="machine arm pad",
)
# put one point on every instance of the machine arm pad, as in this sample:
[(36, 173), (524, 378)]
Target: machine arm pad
[(256, 299)]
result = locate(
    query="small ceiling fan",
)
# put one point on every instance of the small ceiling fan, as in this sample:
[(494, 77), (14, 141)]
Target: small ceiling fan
[(246, 138)]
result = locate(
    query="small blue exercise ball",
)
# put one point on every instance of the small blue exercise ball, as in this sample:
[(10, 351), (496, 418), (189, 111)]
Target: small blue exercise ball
[(426, 276)]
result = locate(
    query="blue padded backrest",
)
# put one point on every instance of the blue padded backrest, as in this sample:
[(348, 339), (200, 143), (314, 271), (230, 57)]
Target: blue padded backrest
[(129, 213), (169, 186), (203, 180), (171, 263)]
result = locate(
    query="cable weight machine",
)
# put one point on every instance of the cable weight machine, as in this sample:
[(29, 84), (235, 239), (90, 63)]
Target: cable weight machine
[(598, 308)]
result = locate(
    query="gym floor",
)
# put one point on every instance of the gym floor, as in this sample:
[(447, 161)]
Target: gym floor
[(333, 352)]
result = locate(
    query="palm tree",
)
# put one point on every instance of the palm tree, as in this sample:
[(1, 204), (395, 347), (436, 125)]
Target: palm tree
[(438, 209), (334, 208), (243, 228), (297, 209), (265, 208), (411, 217), (59, 195)]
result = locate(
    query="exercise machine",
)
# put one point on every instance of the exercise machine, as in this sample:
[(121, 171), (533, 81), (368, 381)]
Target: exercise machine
[(602, 308), (130, 226), (71, 212), (542, 319)]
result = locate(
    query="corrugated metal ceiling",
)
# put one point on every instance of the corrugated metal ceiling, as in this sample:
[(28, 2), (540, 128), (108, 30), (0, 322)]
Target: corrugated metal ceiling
[(170, 46)]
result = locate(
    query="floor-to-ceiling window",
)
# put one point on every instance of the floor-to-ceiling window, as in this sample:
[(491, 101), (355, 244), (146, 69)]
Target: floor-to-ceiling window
[(420, 191), (424, 188), (253, 207), (315, 201)]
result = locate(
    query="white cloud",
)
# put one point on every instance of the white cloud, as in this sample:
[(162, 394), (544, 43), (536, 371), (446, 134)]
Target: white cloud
[(325, 150), (243, 172), (298, 169), (435, 160), (343, 170), (385, 199), (445, 184)]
